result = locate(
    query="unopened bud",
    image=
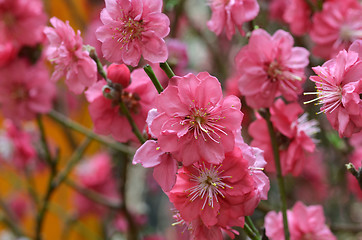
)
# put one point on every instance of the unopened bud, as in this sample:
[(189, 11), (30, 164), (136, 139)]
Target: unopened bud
[(119, 73)]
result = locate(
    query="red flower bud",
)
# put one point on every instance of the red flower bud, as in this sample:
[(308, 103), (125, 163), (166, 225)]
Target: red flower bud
[(119, 73)]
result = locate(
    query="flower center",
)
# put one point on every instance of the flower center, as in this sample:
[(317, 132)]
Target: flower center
[(132, 101), (209, 183), (9, 19), (328, 94), (204, 122), (276, 72), (129, 30), (19, 93), (307, 236)]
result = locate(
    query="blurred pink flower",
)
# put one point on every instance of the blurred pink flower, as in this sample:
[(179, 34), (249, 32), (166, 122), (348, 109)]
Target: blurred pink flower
[(7, 53), (133, 28), (226, 15), (22, 22), (339, 85), (356, 160), (177, 59), (336, 27), (214, 193), (90, 34), (20, 152), (71, 60), (294, 133), (297, 14), (139, 97), (268, 72), (25, 90), (19, 205), (165, 166), (277, 9), (194, 121), (95, 174), (312, 182), (304, 223)]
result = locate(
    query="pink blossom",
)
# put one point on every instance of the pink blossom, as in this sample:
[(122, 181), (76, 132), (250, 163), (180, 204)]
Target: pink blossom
[(338, 84), (336, 27), (268, 72), (25, 90), (226, 15), (95, 174), (312, 182), (165, 166), (133, 28), (7, 53), (177, 59), (195, 122), (256, 161), (19, 150), (355, 159), (214, 193), (294, 134), (199, 231), (297, 14), (90, 34), (139, 97), (304, 223), (22, 22), (277, 9), (71, 60), (19, 205)]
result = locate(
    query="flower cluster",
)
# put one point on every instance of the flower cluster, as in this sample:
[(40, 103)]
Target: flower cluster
[(304, 223), (221, 179), (294, 134), (339, 85)]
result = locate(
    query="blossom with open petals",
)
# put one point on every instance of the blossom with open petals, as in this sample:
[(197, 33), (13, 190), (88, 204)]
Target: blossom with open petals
[(269, 66), (294, 133), (25, 90), (22, 22), (194, 121), (214, 193), (70, 58), (133, 28), (339, 85), (336, 27), (228, 15), (95, 174), (304, 223)]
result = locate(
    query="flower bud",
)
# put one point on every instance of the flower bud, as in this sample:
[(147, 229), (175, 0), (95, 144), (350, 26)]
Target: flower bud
[(109, 92), (119, 73)]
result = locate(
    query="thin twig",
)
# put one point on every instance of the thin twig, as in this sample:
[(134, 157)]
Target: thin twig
[(44, 143), (54, 182), (58, 117), (94, 196), (266, 115)]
